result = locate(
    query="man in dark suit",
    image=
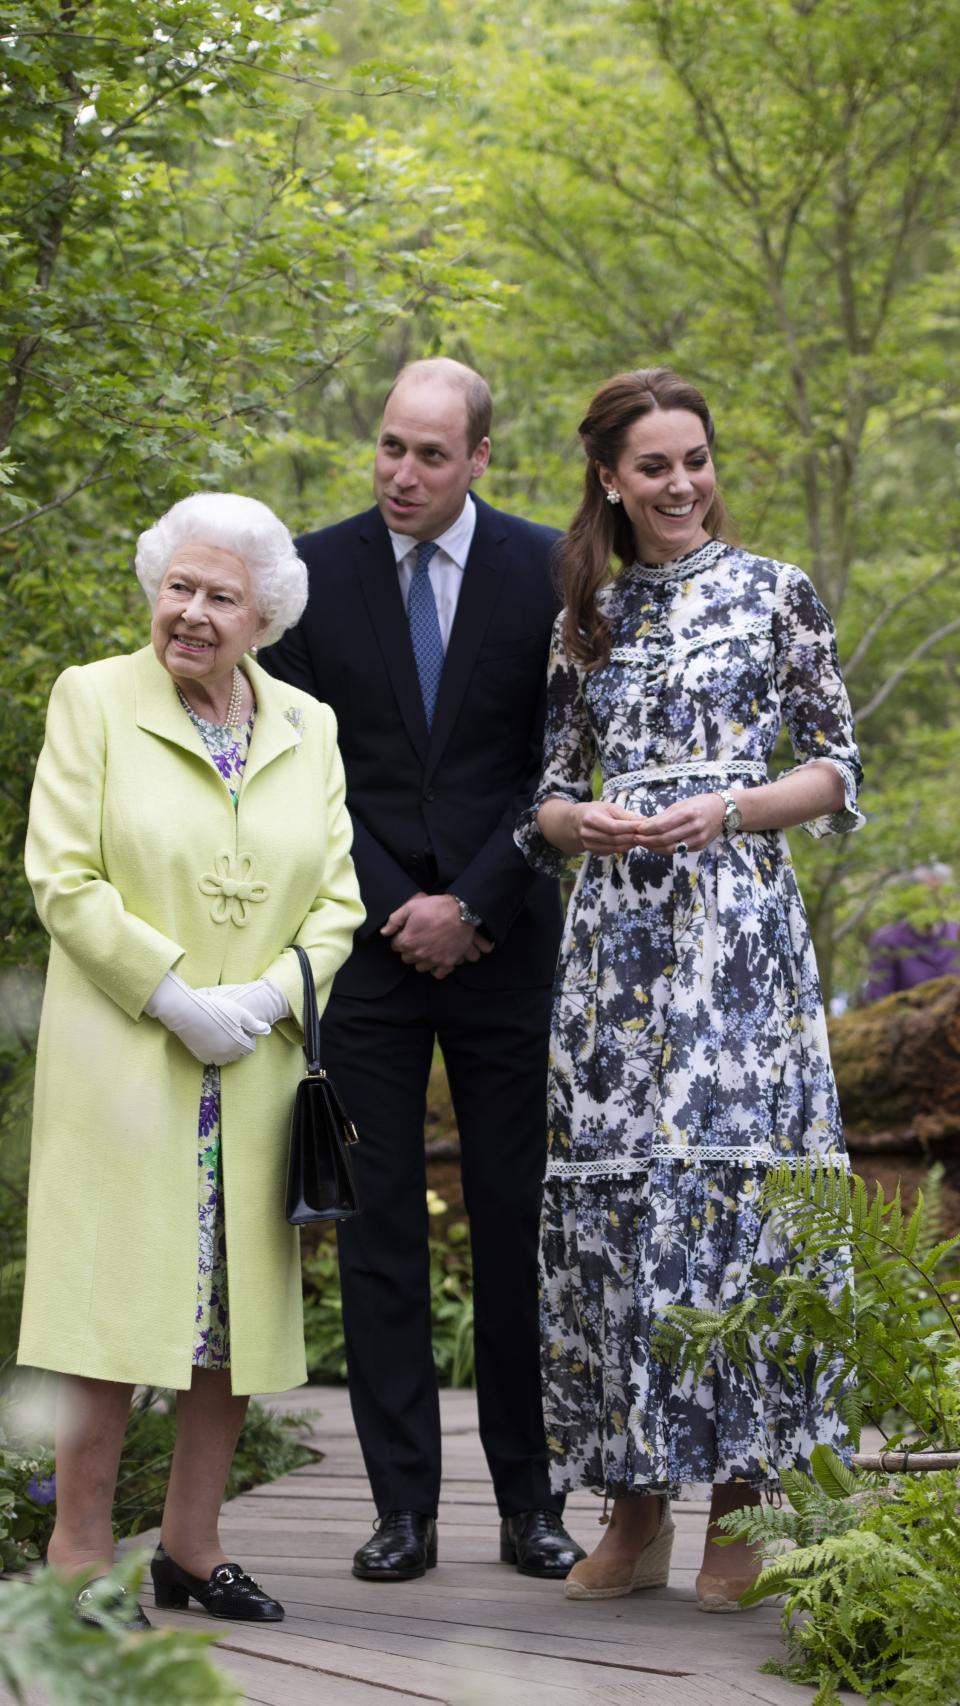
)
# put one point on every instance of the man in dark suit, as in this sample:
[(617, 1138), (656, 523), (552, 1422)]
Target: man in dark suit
[(427, 630)]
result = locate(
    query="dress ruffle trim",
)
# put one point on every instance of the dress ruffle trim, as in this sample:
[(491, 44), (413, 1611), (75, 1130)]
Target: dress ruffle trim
[(704, 1157)]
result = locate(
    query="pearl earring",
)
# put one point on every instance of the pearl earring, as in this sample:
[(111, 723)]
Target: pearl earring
[(613, 497)]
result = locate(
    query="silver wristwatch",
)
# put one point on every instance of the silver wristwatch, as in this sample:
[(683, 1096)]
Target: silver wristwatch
[(732, 816), (467, 914)]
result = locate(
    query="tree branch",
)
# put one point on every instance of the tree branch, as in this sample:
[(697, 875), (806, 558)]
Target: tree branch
[(867, 638), (883, 693), (100, 473)]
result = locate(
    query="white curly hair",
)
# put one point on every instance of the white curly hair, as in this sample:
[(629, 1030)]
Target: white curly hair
[(251, 531)]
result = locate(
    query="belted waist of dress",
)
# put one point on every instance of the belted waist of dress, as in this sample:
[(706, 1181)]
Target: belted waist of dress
[(710, 770)]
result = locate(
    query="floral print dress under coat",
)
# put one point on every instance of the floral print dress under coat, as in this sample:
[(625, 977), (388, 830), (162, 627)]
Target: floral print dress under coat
[(228, 747), (689, 1047)]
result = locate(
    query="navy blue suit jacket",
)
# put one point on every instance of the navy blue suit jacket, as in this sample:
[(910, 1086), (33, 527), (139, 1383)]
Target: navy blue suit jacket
[(435, 809)]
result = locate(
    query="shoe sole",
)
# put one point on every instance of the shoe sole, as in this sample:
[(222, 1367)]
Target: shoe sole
[(198, 1608), (575, 1590), (544, 1575), (394, 1575), (652, 1570)]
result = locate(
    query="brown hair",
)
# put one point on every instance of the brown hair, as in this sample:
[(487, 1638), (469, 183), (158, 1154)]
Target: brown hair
[(476, 392), (601, 530)]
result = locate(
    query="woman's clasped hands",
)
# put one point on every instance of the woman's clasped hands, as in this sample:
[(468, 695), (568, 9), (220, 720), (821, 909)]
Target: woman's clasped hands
[(217, 1024), (605, 828)]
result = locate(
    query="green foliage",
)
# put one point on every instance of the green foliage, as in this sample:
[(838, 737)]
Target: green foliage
[(773, 206), (872, 1576), (16, 1084), (451, 1301), (832, 1474), (26, 1510), (42, 1646), (893, 1341), (870, 1587), (196, 230)]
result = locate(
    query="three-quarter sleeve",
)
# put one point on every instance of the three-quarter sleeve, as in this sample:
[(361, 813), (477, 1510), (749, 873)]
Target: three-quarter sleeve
[(569, 756), (78, 905), (813, 698)]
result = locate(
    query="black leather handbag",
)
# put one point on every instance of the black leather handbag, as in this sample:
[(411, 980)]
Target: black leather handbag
[(320, 1182)]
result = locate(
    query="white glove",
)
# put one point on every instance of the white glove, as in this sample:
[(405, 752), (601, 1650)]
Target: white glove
[(215, 1029), (263, 999)]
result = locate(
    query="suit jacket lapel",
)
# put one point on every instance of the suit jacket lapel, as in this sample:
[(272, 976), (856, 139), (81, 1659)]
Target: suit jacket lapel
[(380, 586), (482, 577)]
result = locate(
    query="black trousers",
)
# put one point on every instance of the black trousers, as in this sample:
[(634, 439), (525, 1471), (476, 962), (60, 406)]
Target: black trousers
[(379, 1052)]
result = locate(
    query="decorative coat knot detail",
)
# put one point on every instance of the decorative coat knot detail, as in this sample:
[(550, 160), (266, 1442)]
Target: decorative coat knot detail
[(232, 886)]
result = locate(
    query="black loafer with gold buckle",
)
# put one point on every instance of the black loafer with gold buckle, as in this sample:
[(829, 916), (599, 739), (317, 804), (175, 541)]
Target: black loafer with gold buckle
[(228, 1592), (118, 1606)]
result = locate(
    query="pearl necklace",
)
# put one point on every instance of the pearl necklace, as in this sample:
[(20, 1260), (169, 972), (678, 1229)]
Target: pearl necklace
[(232, 719)]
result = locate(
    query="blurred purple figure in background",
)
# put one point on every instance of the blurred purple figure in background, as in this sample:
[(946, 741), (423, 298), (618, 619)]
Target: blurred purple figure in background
[(905, 954)]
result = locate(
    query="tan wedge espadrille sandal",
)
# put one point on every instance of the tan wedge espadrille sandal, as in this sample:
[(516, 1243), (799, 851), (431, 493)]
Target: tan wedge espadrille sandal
[(593, 1578), (722, 1593)]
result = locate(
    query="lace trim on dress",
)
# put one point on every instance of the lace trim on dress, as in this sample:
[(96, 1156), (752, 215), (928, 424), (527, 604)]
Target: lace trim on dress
[(707, 768), (649, 650), (691, 564), (705, 1155)]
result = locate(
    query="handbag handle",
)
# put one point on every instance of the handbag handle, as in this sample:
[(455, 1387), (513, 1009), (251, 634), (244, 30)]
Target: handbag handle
[(311, 1017)]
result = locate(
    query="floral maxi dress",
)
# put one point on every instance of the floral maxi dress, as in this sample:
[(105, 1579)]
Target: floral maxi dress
[(228, 748), (689, 1048)]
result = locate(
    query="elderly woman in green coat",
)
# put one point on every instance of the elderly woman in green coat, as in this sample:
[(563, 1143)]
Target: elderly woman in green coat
[(187, 825)]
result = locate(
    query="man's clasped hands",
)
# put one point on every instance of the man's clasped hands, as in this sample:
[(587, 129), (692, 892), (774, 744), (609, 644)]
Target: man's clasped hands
[(427, 932)]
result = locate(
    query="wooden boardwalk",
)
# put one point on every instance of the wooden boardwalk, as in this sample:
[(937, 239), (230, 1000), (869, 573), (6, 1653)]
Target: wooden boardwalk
[(472, 1632)]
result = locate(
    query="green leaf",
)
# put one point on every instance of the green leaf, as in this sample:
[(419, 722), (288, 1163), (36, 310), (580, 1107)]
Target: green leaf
[(832, 1474)]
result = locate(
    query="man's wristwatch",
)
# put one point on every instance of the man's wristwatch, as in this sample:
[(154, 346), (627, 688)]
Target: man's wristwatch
[(467, 914), (732, 816)]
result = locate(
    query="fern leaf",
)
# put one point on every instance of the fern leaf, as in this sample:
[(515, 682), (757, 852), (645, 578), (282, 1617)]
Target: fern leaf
[(832, 1474), (915, 1224)]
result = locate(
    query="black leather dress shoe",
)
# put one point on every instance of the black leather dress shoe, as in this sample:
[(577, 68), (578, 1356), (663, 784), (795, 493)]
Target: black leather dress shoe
[(539, 1545), (127, 1611), (228, 1592), (403, 1545)]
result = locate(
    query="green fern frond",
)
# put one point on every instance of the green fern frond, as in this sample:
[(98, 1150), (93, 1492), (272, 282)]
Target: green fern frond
[(832, 1474)]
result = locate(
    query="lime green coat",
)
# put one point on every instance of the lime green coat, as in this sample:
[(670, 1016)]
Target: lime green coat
[(139, 865)]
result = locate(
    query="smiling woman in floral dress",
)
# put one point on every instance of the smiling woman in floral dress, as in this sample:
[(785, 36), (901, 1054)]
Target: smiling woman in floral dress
[(187, 825), (689, 1047)]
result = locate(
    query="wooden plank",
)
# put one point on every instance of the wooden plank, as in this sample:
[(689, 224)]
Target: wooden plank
[(653, 1644), (268, 1683), (415, 1660), (472, 1632)]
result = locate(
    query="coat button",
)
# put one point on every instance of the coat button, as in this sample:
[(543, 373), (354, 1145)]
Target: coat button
[(429, 795)]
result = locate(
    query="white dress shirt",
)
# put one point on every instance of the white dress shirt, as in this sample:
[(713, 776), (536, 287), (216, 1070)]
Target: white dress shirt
[(446, 565)]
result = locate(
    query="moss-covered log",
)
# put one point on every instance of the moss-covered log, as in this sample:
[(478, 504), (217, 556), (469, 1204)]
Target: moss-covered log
[(897, 1064)]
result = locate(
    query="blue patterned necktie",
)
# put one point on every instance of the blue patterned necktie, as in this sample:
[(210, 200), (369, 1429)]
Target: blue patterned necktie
[(425, 628)]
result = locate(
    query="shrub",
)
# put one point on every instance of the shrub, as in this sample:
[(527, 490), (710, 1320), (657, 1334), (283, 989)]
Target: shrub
[(870, 1590), (872, 1584), (42, 1646)]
